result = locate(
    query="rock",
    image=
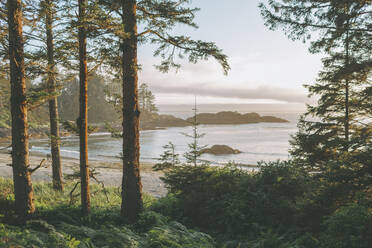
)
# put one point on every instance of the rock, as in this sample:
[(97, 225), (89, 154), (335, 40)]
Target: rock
[(221, 150)]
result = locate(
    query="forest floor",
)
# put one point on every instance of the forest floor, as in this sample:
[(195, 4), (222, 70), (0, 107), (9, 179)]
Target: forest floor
[(110, 173)]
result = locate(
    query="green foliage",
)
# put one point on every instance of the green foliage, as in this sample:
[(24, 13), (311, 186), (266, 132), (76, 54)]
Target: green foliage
[(232, 201), (59, 224), (146, 99), (74, 127), (350, 226), (335, 136), (99, 108), (278, 206), (159, 19), (176, 235), (267, 239), (195, 150), (168, 159), (12, 236)]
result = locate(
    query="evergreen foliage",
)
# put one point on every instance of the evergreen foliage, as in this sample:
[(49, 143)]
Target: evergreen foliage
[(146, 99), (168, 159), (278, 206), (334, 137), (195, 150), (99, 108)]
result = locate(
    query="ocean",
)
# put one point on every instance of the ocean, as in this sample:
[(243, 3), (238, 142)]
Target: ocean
[(257, 142)]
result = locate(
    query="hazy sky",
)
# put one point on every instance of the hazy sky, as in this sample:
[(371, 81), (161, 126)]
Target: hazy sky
[(267, 67)]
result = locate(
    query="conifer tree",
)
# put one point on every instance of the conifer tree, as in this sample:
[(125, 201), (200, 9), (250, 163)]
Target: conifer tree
[(83, 118), (336, 142), (158, 19), (49, 11), (23, 190), (146, 99), (195, 151), (168, 159)]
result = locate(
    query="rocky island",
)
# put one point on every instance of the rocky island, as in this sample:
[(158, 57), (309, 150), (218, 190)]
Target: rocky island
[(221, 150), (229, 117), (156, 121)]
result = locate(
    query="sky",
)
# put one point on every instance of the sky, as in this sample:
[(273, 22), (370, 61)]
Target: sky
[(266, 67)]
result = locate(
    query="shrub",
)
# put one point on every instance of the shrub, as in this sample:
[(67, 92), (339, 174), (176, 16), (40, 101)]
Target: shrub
[(348, 227), (232, 201)]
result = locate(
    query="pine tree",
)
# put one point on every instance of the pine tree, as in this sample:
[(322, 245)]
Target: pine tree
[(195, 151), (83, 118), (146, 99), (23, 190), (168, 159), (333, 136), (48, 8), (158, 18), (131, 187)]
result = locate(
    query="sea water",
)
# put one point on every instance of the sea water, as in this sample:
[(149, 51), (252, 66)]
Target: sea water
[(257, 142)]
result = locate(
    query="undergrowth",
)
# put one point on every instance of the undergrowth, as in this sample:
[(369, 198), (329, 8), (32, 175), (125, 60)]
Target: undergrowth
[(279, 206), (58, 222)]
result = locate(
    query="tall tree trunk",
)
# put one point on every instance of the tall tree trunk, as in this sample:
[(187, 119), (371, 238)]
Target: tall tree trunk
[(83, 119), (131, 204), (20, 157), (53, 105), (347, 100)]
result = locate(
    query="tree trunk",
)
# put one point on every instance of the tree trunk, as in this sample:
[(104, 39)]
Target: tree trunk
[(347, 100), (53, 105), (23, 191), (131, 186), (83, 119)]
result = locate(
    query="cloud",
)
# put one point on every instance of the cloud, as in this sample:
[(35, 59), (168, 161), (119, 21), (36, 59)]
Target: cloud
[(236, 92)]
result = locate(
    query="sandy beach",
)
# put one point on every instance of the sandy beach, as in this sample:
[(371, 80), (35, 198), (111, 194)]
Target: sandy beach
[(109, 172)]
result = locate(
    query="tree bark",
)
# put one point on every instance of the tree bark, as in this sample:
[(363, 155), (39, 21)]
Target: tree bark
[(347, 100), (83, 119), (23, 190), (53, 104), (131, 185)]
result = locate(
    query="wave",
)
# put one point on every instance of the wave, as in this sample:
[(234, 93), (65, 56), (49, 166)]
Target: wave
[(101, 134), (69, 151)]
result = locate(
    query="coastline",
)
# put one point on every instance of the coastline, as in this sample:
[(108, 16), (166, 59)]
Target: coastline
[(110, 173)]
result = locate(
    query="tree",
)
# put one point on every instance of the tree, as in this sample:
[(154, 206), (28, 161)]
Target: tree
[(146, 99), (83, 118), (336, 142), (195, 149), (168, 159), (131, 187), (23, 190), (99, 108), (158, 18), (49, 12)]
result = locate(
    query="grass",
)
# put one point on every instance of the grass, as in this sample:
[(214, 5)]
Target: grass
[(58, 223)]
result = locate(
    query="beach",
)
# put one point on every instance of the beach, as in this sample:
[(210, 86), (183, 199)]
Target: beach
[(110, 173)]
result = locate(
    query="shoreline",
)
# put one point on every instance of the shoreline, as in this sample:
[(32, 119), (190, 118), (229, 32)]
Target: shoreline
[(110, 172)]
